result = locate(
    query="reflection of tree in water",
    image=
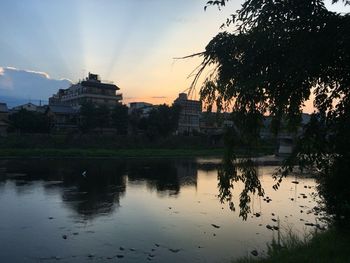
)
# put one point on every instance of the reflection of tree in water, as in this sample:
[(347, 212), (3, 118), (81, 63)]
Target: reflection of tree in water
[(159, 175), (95, 196), (94, 187), (230, 173), (187, 172), (97, 191)]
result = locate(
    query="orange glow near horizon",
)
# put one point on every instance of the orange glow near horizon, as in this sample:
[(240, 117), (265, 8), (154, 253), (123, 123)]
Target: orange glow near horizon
[(135, 49)]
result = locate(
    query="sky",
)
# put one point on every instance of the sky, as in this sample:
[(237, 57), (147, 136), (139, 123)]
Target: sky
[(130, 42)]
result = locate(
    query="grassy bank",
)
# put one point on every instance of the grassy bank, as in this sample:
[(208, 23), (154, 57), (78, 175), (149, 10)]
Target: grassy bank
[(330, 246), (108, 153), (75, 145)]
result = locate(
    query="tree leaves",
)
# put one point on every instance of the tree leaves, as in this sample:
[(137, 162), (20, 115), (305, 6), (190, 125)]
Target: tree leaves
[(277, 53), (218, 3)]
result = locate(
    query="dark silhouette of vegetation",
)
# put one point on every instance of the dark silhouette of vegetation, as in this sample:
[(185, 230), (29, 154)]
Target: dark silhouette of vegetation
[(120, 119), (275, 56), (103, 118), (87, 117), (103, 181), (161, 121), (329, 246), (92, 117), (25, 121), (232, 172)]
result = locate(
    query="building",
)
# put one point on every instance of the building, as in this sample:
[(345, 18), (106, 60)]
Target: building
[(189, 114), (27, 106), (286, 144), (89, 90), (214, 123), (62, 117), (142, 108), (3, 119)]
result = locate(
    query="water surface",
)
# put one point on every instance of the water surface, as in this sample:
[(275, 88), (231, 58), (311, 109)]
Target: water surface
[(157, 210)]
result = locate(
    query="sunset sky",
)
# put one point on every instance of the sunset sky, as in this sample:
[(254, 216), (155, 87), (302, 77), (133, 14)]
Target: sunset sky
[(129, 42)]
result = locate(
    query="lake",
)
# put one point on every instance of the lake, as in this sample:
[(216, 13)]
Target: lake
[(140, 210)]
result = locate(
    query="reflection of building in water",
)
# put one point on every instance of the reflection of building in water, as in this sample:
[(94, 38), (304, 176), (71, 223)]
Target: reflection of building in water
[(91, 194), (94, 188), (95, 196), (97, 187), (285, 144), (165, 176), (187, 173)]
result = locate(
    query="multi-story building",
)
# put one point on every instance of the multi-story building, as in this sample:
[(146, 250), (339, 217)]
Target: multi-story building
[(142, 108), (189, 114), (89, 90), (62, 117), (3, 119)]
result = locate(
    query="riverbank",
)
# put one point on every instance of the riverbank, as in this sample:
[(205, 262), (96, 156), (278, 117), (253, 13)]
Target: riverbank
[(108, 153), (329, 246), (261, 156), (90, 145)]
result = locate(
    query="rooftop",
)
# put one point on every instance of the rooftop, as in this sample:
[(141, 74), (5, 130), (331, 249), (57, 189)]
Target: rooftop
[(91, 83), (3, 107), (65, 109)]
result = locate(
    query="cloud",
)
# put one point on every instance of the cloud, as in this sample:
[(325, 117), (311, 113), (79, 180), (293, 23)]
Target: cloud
[(17, 84), (159, 97)]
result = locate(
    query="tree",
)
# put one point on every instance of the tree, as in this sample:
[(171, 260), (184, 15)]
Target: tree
[(103, 119), (25, 121), (277, 54), (134, 120), (120, 119), (162, 121), (87, 117), (165, 119)]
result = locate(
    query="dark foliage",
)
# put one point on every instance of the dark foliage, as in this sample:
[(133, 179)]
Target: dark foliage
[(120, 119), (162, 121), (277, 54), (25, 121), (102, 116), (92, 117), (87, 117)]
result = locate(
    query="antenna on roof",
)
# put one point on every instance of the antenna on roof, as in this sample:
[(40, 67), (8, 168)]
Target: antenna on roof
[(83, 72)]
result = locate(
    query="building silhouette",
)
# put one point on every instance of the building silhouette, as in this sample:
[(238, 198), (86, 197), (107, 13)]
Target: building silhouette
[(92, 89), (3, 119), (189, 114)]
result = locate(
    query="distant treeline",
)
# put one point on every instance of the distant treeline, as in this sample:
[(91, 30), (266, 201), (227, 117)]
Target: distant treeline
[(105, 141), (160, 121), (96, 142)]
